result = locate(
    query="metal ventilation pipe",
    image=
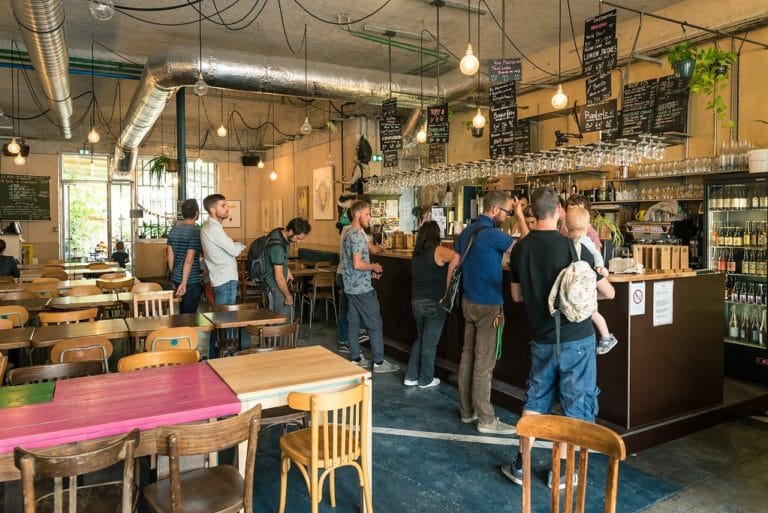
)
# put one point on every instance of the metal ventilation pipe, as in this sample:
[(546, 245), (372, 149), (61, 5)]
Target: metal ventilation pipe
[(172, 68), (42, 27)]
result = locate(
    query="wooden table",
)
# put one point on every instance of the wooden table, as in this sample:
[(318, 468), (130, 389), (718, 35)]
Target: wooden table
[(245, 317), (66, 265), (11, 287), (32, 305), (143, 326), (108, 405), (27, 276), (46, 336), (16, 338), (306, 273), (80, 302)]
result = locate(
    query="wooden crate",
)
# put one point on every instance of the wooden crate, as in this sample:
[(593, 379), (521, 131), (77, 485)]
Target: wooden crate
[(661, 257)]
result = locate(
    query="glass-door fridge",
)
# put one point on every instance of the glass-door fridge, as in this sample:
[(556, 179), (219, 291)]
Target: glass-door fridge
[(736, 217)]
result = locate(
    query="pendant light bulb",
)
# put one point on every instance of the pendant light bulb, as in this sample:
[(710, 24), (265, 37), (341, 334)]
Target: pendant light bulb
[(199, 162), (200, 87), (102, 10), (479, 120), (19, 159), (469, 63), (13, 146), (93, 136), (421, 135), (306, 127), (260, 165), (273, 176), (560, 99), (221, 131)]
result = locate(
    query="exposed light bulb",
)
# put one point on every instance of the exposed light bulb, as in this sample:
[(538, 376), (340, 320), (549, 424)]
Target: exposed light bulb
[(479, 120), (93, 136), (19, 159), (306, 128), (199, 162), (102, 10), (273, 176), (221, 131), (200, 87), (469, 63), (560, 99), (260, 165), (421, 135), (13, 146)]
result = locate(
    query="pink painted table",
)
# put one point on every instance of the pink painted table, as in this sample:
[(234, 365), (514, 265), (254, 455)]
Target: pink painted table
[(97, 407)]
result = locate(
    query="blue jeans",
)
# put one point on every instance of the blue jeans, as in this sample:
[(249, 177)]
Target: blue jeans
[(226, 294), (364, 310), (571, 373), (430, 318), (191, 298), (277, 304), (342, 331)]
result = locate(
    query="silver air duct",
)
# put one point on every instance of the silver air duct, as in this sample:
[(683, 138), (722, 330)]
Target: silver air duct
[(42, 26), (172, 68)]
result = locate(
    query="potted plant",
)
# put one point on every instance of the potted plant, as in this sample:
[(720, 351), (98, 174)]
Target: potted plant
[(608, 230), (160, 165), (682, 58), (712, 64)]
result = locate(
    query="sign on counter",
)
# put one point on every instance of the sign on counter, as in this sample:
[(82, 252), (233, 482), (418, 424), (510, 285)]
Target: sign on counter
[(663, 302), (637, 298)]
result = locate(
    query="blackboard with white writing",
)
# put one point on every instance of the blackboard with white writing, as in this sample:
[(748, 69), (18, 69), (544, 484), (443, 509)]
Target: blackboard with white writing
[(437, 153), (437, 124), (638, 105), (503, 114), (600, 116), (390, 158), (390, 131), (598, 88), (504, 70), (600, 47), (671, 113), (25, 198)]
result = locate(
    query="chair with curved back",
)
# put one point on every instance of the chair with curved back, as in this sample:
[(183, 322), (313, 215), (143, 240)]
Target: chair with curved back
[(147, 286), (18, 314), (153, 304), (18, 294), (112, 276), (53, 372), (572, 433), (323, 289), (96, 266), (45, 279), (228, 339), (285, 336), (322, 264), (171, 338), (6, 324), (84, 290), (157, 359), (337, 437), (3, 367), (55, 261), (44, 289), (83, 349), (68, 317), (118, 285)]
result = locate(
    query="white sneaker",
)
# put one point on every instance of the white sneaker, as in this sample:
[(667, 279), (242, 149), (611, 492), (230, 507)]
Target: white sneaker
[(496, 427), (410, 382), (385, 366), (362, 362), (433, 383)]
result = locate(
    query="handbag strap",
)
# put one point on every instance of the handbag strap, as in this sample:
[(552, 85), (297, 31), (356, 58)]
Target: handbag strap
[(469, 246)]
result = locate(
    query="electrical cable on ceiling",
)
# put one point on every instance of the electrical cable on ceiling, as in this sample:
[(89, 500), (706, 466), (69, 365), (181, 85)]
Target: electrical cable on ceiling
[(350, 22), (573, 32), (151, 9), (208, 18), (285, 32)]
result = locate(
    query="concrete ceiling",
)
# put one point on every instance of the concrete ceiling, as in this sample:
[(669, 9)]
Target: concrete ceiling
[(256, 26)]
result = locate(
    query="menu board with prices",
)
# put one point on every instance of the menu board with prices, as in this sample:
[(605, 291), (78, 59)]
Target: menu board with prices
[(503, 119), (504, 70), (390, 159), (600, 47), (598, 88), (516, 143), (390, 131), (612, 135), (437, 153), (25, 198), (438, 126), (600, 116), (671, 113), (637, 108)]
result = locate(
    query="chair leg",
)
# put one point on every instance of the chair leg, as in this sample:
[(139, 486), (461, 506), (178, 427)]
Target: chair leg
[(315, 494), (332, 486), (366, 486), (284, 483)]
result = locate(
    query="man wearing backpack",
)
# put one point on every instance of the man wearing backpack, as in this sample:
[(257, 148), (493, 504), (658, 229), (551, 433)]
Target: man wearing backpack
[(276, 273), (565, 371)]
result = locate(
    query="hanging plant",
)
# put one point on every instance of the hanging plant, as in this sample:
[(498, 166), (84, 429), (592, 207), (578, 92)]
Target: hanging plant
[(158, 166), (709, 75), (682, 58)]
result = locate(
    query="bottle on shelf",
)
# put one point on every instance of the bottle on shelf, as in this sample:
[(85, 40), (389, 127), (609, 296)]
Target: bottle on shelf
[(754, 197), (754, 335), (763, 196), (762, 335), (722, 262), (743, 293), (738, 237), (733, 324), (735, 292), (727, 196), (747, 237), (718, 195), (601, 194), (744, 326)]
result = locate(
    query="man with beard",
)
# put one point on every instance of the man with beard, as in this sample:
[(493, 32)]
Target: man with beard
[(482, 305)]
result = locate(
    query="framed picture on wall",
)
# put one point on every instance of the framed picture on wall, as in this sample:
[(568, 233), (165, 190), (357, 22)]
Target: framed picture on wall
[(302, 201), (277, 211), (265, 208), (322, 193), (233, 221)]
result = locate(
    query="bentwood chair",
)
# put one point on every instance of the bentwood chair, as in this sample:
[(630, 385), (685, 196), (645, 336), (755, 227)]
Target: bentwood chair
[(18, 294), (57, 273), (53, 372), (154, 359), (84, 290), (15, 313), (323, 289), (6, 324), (571, 433), (165, 339), (68, 316), (78, 459), (285, 336), (97, 266), (112, 276), (216, 489), (337, 437), (228, 339), (117, 285), (44, 289), (83, 349), (146, 286), (3, 367), (153, 304)]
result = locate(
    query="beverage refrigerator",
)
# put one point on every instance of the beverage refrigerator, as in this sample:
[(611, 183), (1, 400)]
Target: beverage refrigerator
[(736, 243)]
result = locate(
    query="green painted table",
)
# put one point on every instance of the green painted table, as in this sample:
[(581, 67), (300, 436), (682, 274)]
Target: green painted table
[(23, 395)]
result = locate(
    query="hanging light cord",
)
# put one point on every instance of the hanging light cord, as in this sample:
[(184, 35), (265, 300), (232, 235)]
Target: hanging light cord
[(559, 35), (200, 39)]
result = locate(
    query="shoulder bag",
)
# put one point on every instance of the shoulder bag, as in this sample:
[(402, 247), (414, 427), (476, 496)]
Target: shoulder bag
[(451, 296)]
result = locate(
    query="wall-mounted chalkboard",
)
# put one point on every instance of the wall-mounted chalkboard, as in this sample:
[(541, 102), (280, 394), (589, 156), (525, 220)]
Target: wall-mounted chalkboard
[(504, 70), (671, 113), (437, 124), (600, 47), (598, 88), (437, 153), (637, 107), (390, 132), (503, 110), (25, 198), (600, 116)]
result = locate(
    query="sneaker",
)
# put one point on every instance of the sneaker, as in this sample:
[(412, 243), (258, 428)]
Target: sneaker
[(433, 383), (514, 471), (410, 382), (606, 344), (561, 484), (469, 420), (362, 362), (385, 366), (363, 337), (344, 348), (496, 427)]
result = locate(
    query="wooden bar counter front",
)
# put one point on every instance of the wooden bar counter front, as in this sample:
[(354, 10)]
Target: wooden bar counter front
[(654, 374)]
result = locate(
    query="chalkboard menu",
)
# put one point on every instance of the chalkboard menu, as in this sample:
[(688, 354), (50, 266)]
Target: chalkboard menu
[(612, 135), (390, 132), (600, 116), (600, 46), (437, 153), (503, 110), (504, 70), (517, 142), (25, 198), (437, 124), (671, 105), (598, 88), (390, 158), (637, 108)]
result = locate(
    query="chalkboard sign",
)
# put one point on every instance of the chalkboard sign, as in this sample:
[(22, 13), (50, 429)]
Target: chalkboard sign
[(600, 116), (437, 153), (671, 113), (25, 198), (390, 158), (389, 110), (437, 124), (517, 142), (504, 70), (390, 131), (600, 47), (612, 135), (503, 114), (637, 107), (598, 88)]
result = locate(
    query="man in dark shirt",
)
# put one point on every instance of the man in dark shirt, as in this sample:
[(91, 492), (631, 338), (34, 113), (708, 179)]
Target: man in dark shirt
[(183, 251), (277, 274), (567, 369)]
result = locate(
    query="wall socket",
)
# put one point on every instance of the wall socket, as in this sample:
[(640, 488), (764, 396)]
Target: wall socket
[(55, 228)]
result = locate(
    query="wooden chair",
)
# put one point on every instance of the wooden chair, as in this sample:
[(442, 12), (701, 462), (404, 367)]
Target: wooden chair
[(337, 437), (84, 290), (213, 489), (323, 289), (55, 261), (53, 372), (157, 359), (83, 349), (123, 285), (320, 265), (18, 314), (112, 276), (572, 433), (76, 460), (96, 266), (171, 338), (68, 317), (18, 294), (3, 367), (51, 268), (146, 286), (6, 324), (228, 339), (154, 304), (7, 279), (44, 289), (274, 337), (45, 279)]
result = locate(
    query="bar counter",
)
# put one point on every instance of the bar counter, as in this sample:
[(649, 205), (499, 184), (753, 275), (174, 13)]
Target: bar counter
[(653, 374)]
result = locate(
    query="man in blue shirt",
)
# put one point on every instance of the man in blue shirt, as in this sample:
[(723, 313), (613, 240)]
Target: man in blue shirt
[(184, 257), (482, 306)]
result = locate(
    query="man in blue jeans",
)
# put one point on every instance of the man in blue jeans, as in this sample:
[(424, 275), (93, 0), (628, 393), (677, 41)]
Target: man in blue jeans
[(564, 371), (183, 253)]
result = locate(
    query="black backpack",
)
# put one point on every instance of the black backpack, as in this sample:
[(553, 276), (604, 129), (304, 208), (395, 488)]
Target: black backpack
[(256, 267)]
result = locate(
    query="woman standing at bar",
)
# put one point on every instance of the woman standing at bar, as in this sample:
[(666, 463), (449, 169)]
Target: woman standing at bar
[(429, 267)]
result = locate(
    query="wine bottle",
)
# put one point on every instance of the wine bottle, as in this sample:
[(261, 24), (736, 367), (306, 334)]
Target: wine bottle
[(735, 292), (731, 262), (733, 325), (744, 327), (755, 197), (754, 336), (746, 239), (743, 293), (762, 335)]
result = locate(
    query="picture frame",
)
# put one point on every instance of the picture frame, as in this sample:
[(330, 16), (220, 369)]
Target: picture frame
[(322, 194)]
